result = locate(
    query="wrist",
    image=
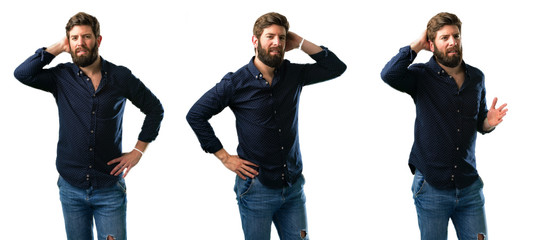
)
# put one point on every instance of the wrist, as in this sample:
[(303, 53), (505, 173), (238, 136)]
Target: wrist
[(139, 151), (222, 155), (415, 47), (487, 126), (301, 43)]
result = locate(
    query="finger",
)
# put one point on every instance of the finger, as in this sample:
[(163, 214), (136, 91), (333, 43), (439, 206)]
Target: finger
[(240, 175), (126, 172), (248, 174), (502, 107), (249, 163), (115, 170), (116, 160), (250, 170), (118, 169), (121, 170), (494, 101)]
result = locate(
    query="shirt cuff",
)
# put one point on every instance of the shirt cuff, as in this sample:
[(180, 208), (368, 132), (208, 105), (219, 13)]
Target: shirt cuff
[(44, 55)]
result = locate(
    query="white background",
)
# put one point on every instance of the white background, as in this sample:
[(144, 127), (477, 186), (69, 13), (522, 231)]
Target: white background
[(355, 131)]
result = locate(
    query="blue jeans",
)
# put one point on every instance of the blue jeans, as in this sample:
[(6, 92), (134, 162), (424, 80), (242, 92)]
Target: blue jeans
[(259, 206), (107, 206), (435, 207)]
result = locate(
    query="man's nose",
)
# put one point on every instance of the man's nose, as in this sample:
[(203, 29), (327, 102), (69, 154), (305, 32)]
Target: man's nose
[(275, 41)]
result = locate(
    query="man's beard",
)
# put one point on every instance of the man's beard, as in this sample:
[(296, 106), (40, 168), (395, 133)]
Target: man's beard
[(269, 60), (452, 61), (85, 60)]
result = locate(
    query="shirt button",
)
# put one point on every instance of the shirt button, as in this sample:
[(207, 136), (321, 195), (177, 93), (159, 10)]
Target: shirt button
[(458, 130), (93, 112), (275, 112), (458, 110), (279, 130), (455, 166), (284, 165), (91, 149), (92, 131), (282, 148), (90, 166), (457, 148), (88, 79)]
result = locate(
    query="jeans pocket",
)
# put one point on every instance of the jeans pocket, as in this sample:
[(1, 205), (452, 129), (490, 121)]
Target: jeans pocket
[(121, 184), (418, 184), (245, 186), (419, 191)]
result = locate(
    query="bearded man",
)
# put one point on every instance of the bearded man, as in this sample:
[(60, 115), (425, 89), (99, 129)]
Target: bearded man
[(264, 96), (450, 109), (91, 95)]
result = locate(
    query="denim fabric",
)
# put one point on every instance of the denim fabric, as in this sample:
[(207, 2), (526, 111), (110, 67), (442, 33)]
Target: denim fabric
[(107, 206), (259, 206), (435, 207)]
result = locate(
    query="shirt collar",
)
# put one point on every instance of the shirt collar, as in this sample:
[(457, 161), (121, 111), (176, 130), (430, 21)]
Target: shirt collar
[(253, 69), (257, 74), (435, 67), (104, 67)]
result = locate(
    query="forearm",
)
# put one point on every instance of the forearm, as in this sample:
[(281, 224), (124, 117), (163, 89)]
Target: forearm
[(32, 73), (210, 104), (152, 123), (309, 47), (55, 49), (396, 71), (327, 66), (203, 131)]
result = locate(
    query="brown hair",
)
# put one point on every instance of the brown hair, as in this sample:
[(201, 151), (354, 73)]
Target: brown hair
[(82, 18), (269, 19), (440, 20)]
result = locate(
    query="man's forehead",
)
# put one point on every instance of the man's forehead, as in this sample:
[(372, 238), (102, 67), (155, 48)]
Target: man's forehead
[(81, 29), (448, 29), (274, 29)]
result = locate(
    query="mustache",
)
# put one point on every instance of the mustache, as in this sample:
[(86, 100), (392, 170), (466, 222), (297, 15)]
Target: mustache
[(78, 49)]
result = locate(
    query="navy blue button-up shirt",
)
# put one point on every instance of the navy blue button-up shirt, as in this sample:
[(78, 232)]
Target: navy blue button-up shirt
[(447, 118), (266, 115), (90, 122)]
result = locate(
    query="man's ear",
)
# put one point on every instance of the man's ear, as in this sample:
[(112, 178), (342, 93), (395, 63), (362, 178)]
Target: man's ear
[(254, 41), (99, 40), (431, 46)]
